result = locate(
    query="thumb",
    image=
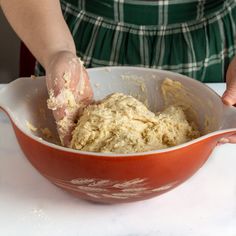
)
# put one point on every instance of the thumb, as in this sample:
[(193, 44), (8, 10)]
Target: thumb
[(229, 96)]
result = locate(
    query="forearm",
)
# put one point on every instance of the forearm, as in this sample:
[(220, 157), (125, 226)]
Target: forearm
[(40, 25)]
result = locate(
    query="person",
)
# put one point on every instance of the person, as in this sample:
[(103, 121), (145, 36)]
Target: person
[(192, 37)]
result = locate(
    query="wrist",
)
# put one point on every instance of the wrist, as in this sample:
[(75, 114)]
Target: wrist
[(54, 54)]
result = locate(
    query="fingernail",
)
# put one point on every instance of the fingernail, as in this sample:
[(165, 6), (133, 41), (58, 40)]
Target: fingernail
[(224, 140)]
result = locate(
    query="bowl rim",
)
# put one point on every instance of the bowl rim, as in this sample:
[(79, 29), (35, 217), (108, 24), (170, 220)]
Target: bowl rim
[(121, 155)]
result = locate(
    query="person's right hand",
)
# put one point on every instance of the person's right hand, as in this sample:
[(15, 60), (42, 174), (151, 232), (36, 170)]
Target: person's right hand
[(69, 92)]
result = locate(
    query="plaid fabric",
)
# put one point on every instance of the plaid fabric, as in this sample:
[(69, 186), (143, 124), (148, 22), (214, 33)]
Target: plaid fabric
[(192, 37)]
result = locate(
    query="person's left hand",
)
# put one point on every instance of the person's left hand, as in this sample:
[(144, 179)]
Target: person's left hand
[(69, 92), (229, 96)]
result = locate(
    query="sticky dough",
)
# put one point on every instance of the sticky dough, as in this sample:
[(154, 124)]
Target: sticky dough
[(122, 124)]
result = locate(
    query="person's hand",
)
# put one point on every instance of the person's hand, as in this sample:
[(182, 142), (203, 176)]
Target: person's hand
[(69, 91), (229, 96)]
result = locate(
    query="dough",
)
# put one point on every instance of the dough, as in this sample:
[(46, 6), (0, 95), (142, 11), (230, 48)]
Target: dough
[(122, 124)]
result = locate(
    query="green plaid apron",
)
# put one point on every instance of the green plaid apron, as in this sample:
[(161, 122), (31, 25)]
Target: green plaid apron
[(192, 37)]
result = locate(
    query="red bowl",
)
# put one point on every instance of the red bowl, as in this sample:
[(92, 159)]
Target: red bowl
[(114, 178)]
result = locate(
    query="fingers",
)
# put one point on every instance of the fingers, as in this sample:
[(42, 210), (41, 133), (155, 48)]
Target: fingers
[(65, 127), (59, 76), (84, 89), (66, 139), (76, 69), (223, 141), (229, 96), (59, 113), (230, 139)]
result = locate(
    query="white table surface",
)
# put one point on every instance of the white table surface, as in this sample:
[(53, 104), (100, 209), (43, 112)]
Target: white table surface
[(205, 205)]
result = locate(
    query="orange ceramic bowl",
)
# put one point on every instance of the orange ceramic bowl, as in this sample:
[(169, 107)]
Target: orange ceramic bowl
[(115, 178)]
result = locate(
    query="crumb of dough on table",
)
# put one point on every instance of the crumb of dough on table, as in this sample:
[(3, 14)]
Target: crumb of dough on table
[(122, 124)]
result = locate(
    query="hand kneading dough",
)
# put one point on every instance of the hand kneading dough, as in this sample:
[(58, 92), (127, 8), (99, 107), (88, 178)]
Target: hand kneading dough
[(122, 124)]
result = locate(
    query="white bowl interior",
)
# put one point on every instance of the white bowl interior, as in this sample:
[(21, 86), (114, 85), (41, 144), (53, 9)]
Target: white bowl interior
[(25, 98)]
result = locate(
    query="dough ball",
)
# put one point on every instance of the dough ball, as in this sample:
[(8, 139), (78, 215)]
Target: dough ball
[(122, 124)]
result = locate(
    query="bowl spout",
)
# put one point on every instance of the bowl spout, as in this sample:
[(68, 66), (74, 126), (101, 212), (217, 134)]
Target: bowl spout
[(19, 92)]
